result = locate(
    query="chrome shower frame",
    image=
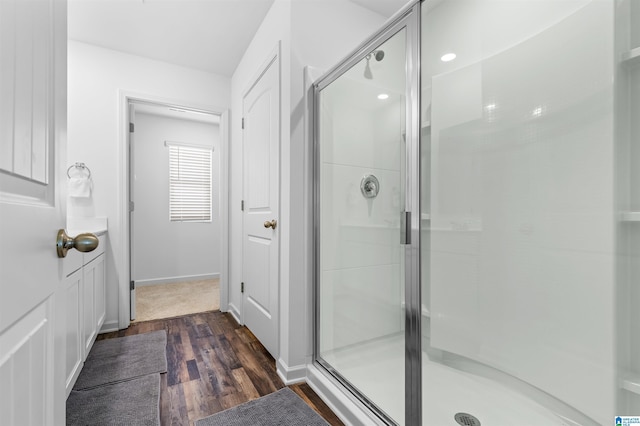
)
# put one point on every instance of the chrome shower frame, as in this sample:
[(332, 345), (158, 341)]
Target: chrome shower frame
[(409, 19)]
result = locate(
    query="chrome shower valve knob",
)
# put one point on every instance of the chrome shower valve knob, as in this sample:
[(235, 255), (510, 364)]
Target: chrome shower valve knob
[(369, 186)]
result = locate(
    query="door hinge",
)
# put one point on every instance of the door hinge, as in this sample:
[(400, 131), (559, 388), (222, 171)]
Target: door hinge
[(241, 287), (242, 205), (132, 206), (131, 127), (132, 285), (243, 122)]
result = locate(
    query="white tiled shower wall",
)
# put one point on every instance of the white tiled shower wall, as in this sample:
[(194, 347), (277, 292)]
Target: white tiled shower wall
[(361, 269), (522, 250)]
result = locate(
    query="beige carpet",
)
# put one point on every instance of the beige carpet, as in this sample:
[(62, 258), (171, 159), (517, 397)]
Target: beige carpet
[(175, 299)]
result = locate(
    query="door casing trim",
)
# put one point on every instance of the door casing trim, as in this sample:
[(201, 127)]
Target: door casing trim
[(123, 261)]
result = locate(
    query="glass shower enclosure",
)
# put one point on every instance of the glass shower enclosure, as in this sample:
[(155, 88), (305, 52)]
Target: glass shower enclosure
[(367, 221), (476, 247)]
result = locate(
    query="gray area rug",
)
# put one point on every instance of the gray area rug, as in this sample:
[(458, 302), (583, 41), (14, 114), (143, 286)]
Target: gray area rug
[(283, 408), (134, 402), (123, 358)]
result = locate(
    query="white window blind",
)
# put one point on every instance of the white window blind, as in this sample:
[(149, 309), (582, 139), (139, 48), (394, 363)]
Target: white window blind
[(189, 183)]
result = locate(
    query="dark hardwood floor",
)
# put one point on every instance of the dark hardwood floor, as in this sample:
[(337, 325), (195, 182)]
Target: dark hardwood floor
[(214, 364)]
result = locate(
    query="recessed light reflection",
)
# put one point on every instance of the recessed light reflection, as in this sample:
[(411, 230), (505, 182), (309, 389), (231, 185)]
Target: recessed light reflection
[(448, 57), (537, 112), (383, 96), (490, 112)]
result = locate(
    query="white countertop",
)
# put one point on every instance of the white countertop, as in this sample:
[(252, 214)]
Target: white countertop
[(79, 225)]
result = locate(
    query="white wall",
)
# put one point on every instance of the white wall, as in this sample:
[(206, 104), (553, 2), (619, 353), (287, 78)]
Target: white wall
[(316, 33), (96, 76), (166, 251)]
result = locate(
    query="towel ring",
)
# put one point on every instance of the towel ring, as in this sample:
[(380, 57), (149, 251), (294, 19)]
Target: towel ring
[(81, 167)]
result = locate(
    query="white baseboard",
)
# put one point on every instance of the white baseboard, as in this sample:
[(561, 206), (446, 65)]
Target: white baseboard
[(346, 407), (235, 313), (109, 326), (291, 375), (168, 280)]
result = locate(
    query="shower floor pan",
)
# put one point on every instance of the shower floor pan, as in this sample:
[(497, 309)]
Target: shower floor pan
[(377, 369)]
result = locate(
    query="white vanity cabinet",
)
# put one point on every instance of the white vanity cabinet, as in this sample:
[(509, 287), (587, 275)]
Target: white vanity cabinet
[(94, 295), (73, 308), (85, 305)]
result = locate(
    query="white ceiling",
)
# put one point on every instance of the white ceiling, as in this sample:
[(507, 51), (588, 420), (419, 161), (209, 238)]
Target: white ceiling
[(383, 7), (209, 35)]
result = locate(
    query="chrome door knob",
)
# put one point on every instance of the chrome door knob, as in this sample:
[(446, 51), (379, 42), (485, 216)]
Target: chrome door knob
[(271, 224), (82, 242)]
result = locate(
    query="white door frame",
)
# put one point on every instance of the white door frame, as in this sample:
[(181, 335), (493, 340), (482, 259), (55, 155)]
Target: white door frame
[(123, 261)]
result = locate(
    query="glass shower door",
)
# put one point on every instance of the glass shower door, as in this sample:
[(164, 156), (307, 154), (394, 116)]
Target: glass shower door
[(361, 178), (522, 265)]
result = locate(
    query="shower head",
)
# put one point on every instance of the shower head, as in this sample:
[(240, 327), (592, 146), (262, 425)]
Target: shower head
[(367, 70), (378, 55)]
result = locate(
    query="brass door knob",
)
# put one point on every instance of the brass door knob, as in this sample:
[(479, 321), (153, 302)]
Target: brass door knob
[(83, 242), (271, 224)]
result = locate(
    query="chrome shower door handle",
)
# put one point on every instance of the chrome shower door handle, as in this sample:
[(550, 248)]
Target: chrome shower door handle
[(405, 228)]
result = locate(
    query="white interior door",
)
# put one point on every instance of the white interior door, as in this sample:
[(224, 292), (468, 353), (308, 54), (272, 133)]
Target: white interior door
[(261, 142), (33, 83)]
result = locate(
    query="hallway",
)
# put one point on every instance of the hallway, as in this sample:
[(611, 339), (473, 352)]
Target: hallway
[(175, 299)]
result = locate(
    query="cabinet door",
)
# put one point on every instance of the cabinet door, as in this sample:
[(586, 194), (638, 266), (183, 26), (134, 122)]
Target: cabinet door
[(89, 307), (94, 301), (100, 292), (74, 346)]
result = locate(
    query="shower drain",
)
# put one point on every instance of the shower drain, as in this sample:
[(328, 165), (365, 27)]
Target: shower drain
[(465, 419)]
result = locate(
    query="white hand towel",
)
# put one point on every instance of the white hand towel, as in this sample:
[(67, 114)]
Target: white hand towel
[(80, 187)]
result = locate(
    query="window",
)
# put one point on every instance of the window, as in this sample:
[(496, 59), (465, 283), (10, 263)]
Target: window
[(189, 183)]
